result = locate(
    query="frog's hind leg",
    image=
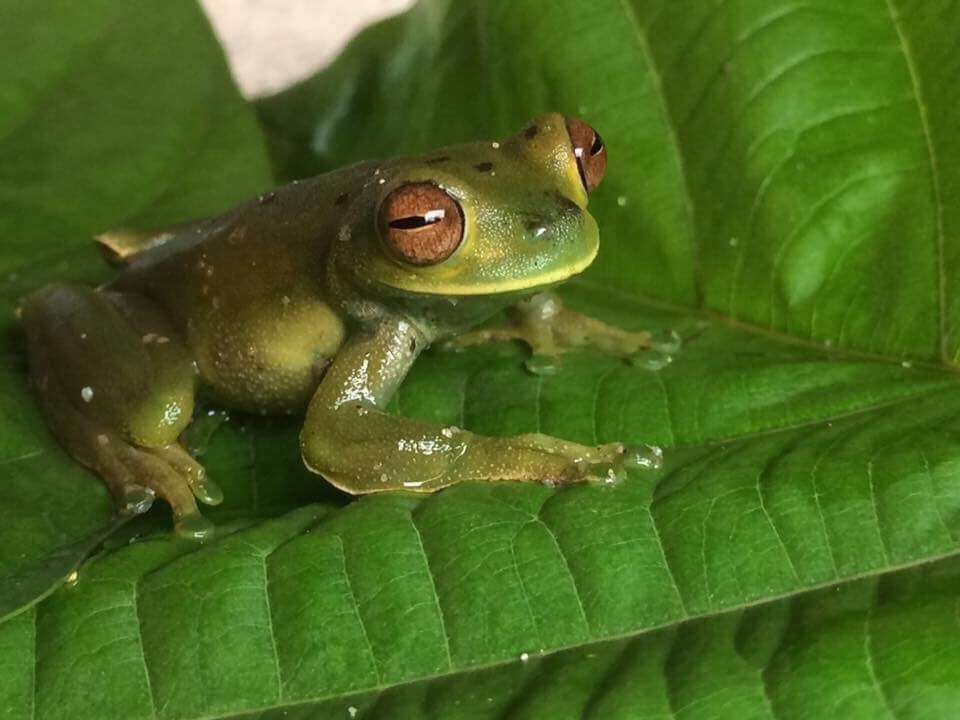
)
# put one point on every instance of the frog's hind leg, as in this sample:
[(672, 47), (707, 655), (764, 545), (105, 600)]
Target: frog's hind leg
[(117, 387)]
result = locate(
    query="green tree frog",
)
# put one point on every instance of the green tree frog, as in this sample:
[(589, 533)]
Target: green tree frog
[(318, 297)]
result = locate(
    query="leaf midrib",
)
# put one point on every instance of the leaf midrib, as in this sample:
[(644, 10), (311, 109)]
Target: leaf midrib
[(840, 353)]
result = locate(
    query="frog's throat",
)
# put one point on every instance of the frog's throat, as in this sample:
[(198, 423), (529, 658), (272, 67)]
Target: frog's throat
[(497, 287)]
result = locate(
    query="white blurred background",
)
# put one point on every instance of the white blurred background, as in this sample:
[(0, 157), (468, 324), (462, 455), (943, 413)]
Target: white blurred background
[(274, 43)]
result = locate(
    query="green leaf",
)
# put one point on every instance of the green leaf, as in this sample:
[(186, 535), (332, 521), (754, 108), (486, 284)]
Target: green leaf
[(781, 192), (116, 114)]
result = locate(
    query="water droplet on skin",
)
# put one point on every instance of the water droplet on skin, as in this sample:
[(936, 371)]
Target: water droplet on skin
[(542, 365), (137, 499), (644, 457), (72, 579), (622, 201), (524, 657), (612, 477), (86, 393)]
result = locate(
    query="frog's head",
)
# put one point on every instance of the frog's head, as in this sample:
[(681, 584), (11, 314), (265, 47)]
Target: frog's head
[(488, 217)]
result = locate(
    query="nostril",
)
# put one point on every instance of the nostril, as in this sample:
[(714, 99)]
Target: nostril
[(536, 226)]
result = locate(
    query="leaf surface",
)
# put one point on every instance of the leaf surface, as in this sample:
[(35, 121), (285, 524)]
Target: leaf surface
[(782, 192)]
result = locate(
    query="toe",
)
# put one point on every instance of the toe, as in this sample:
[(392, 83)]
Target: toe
[(194, 527)]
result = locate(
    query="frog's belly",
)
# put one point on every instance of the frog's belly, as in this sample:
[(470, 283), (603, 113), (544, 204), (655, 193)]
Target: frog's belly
[(265, 359)]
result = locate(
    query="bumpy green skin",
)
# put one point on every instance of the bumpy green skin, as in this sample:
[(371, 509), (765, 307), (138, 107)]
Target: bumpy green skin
[(291, 302)]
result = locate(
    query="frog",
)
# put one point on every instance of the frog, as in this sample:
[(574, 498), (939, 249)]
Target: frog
[(316, 298)]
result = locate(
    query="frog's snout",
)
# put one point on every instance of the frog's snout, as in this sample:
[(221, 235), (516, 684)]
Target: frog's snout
[(564, 219)]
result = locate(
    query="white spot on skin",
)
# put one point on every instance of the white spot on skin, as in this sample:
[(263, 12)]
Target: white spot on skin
[(733, 242), (285, 300), (358, 386), (87, 393), (449, 432), (383, 477), (162, 339), (414, 483), (496, 145), (622, 201), (171, 413), (149, 338), (524, 657), (381, 181), (103, 439), (83, 336), (72, 578), (906, 364), (353, 711)]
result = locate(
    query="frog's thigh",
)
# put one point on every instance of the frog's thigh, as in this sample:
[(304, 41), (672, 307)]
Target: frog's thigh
[(116, 358), (117, 389)]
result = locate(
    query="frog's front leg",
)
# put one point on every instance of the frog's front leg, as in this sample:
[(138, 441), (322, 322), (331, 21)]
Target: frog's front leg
[(354, 444), (542, 322)]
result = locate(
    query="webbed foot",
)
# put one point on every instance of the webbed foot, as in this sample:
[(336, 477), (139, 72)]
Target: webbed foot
[(549, 329)]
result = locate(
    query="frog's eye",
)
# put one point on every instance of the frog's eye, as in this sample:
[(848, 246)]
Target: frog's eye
[(421, 223), (590, 152)]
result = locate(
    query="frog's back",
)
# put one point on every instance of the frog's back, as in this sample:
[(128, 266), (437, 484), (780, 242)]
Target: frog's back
[(246, 291)]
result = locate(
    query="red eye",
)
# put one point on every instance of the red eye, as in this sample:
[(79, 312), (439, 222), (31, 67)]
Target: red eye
[(421, 223), (590, 152)]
